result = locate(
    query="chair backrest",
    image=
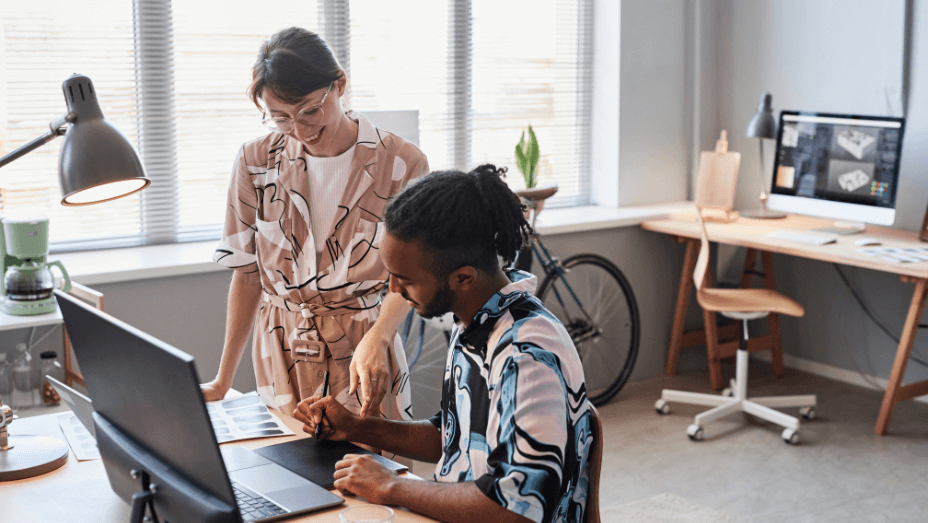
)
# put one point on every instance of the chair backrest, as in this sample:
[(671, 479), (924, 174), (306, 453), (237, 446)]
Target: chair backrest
[(702, 262), (717, 177), (596, 464)]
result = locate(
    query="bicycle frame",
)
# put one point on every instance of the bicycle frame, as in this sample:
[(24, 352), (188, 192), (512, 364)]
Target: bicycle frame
[(551, 264)]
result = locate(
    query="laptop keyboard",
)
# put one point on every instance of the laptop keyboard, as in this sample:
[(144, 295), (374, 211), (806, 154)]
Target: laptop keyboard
[(253, 508)]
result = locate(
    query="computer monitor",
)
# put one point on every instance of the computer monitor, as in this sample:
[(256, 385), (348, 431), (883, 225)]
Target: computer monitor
[(843, 167), (150, 429), (156, 439)]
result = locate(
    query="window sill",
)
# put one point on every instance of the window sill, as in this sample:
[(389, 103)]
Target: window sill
[(162, 261), (593, 217)]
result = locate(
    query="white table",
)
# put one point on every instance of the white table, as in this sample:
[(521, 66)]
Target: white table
[(80, 491), (12, 322)]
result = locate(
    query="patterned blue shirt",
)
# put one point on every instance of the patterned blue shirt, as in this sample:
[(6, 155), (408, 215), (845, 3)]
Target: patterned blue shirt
[(514, 413)]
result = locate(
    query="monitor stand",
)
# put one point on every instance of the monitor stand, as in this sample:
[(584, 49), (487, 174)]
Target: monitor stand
[(843, 228)]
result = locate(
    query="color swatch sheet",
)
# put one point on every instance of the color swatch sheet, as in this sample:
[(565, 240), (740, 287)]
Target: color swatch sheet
[(244, 417), (79, 439), (898, 254)]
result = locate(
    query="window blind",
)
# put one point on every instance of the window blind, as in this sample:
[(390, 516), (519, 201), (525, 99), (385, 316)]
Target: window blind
[(479, 79), (42, 43), (172, 77), (215, 44)]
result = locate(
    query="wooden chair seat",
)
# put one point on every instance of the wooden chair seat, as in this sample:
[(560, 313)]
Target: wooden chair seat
[(743, 304), (748, 300)]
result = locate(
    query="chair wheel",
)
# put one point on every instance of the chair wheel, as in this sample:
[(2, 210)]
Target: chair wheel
[(791, 436), (807, 413), (729, 392), (662, 407), (695, 432)]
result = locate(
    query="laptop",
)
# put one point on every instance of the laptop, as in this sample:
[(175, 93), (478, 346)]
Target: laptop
[(149, 391), (79, 404)]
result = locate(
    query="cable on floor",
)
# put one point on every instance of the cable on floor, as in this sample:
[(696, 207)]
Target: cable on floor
[(874, 319)]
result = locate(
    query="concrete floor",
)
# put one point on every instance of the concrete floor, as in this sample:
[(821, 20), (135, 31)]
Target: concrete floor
[(840, 472)]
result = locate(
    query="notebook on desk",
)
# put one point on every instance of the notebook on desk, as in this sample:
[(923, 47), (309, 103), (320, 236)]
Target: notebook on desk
[(315, 459)]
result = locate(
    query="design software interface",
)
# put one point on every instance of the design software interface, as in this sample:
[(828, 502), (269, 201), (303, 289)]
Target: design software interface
[(850, 159)]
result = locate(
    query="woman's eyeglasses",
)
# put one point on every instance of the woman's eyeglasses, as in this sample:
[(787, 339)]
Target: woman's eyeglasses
[(312, 115)]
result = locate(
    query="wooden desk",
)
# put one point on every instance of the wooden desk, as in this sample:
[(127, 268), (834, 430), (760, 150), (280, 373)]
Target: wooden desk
[(80, 491), (752, 234)]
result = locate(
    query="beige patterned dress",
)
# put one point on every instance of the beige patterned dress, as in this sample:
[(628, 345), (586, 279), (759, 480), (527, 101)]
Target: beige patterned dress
[(316, 308)]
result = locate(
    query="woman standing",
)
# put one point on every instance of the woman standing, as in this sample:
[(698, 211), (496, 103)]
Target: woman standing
[(302, 232)]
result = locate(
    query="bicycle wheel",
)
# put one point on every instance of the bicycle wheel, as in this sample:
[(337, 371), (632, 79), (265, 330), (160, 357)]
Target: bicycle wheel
[(592, 298), (425, 343)]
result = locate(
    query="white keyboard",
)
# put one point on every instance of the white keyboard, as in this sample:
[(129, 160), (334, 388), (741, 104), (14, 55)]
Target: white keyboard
[(801, 237)]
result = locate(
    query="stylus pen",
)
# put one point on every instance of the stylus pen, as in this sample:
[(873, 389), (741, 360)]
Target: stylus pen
[(325, 392)]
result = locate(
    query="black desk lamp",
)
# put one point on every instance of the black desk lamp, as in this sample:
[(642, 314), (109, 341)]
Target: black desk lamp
[(97, 164), (763, 126)]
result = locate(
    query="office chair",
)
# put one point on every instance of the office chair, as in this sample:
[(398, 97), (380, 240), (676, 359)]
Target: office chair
[(744, 305), (596, 465)]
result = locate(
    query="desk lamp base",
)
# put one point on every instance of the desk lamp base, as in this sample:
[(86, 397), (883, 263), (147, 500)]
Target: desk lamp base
[(24, 457), (763, 214), (29, 456)]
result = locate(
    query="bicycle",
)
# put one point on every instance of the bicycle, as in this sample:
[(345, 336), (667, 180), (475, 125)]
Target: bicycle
[(586, 292)]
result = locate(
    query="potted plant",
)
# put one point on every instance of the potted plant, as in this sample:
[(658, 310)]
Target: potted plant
[(527, 155)]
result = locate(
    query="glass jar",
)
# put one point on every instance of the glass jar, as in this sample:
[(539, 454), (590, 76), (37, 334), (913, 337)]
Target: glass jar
[(6, 379), (50, 367), (23, 395)]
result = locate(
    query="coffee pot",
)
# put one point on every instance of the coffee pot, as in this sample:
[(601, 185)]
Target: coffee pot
[(28, 282)]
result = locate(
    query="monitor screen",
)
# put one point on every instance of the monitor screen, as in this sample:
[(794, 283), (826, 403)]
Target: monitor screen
[(844, 167)]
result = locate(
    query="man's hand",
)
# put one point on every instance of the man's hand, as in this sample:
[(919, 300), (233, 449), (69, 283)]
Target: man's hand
[(337, 422), (214, 391), (364, 476), (368, 371)]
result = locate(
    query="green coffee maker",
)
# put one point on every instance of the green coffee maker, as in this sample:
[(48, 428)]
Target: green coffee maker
[(27, 282)]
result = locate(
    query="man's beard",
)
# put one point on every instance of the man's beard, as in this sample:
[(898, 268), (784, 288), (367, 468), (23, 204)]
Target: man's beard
[(440, 304)]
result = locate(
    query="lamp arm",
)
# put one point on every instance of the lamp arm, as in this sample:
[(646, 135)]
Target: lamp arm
[(56, 128)]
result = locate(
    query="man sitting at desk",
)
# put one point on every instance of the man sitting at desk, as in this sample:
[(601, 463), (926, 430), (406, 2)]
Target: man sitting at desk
[(513, 436)]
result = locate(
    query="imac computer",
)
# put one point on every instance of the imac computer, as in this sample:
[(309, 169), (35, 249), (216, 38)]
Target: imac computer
[(842, 167)]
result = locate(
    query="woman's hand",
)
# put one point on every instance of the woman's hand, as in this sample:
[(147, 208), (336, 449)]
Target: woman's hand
[(368, 371), (214, 390)]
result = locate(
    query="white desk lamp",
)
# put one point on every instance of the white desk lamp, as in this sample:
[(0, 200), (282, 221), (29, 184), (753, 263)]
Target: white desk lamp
[(762, 126), (97, 163)]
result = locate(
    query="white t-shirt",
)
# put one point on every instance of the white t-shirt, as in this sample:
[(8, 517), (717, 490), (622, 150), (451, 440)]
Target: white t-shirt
[(327, 180)]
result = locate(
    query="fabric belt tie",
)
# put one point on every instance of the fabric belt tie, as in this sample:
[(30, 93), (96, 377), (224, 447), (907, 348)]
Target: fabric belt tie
[(329, 328)]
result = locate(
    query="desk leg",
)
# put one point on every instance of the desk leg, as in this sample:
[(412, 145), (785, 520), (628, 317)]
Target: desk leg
[(773, 321), (747, 274), (679, 314), (712, 342), (892, 395)]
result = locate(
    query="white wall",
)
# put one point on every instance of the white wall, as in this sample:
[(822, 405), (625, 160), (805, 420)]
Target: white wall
[(837, 56), (814, 55), (654, 130), (604, 183)]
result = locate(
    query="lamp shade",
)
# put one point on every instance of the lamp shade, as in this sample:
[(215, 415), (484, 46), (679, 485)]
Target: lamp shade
[(762, 125), (97, 162)]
